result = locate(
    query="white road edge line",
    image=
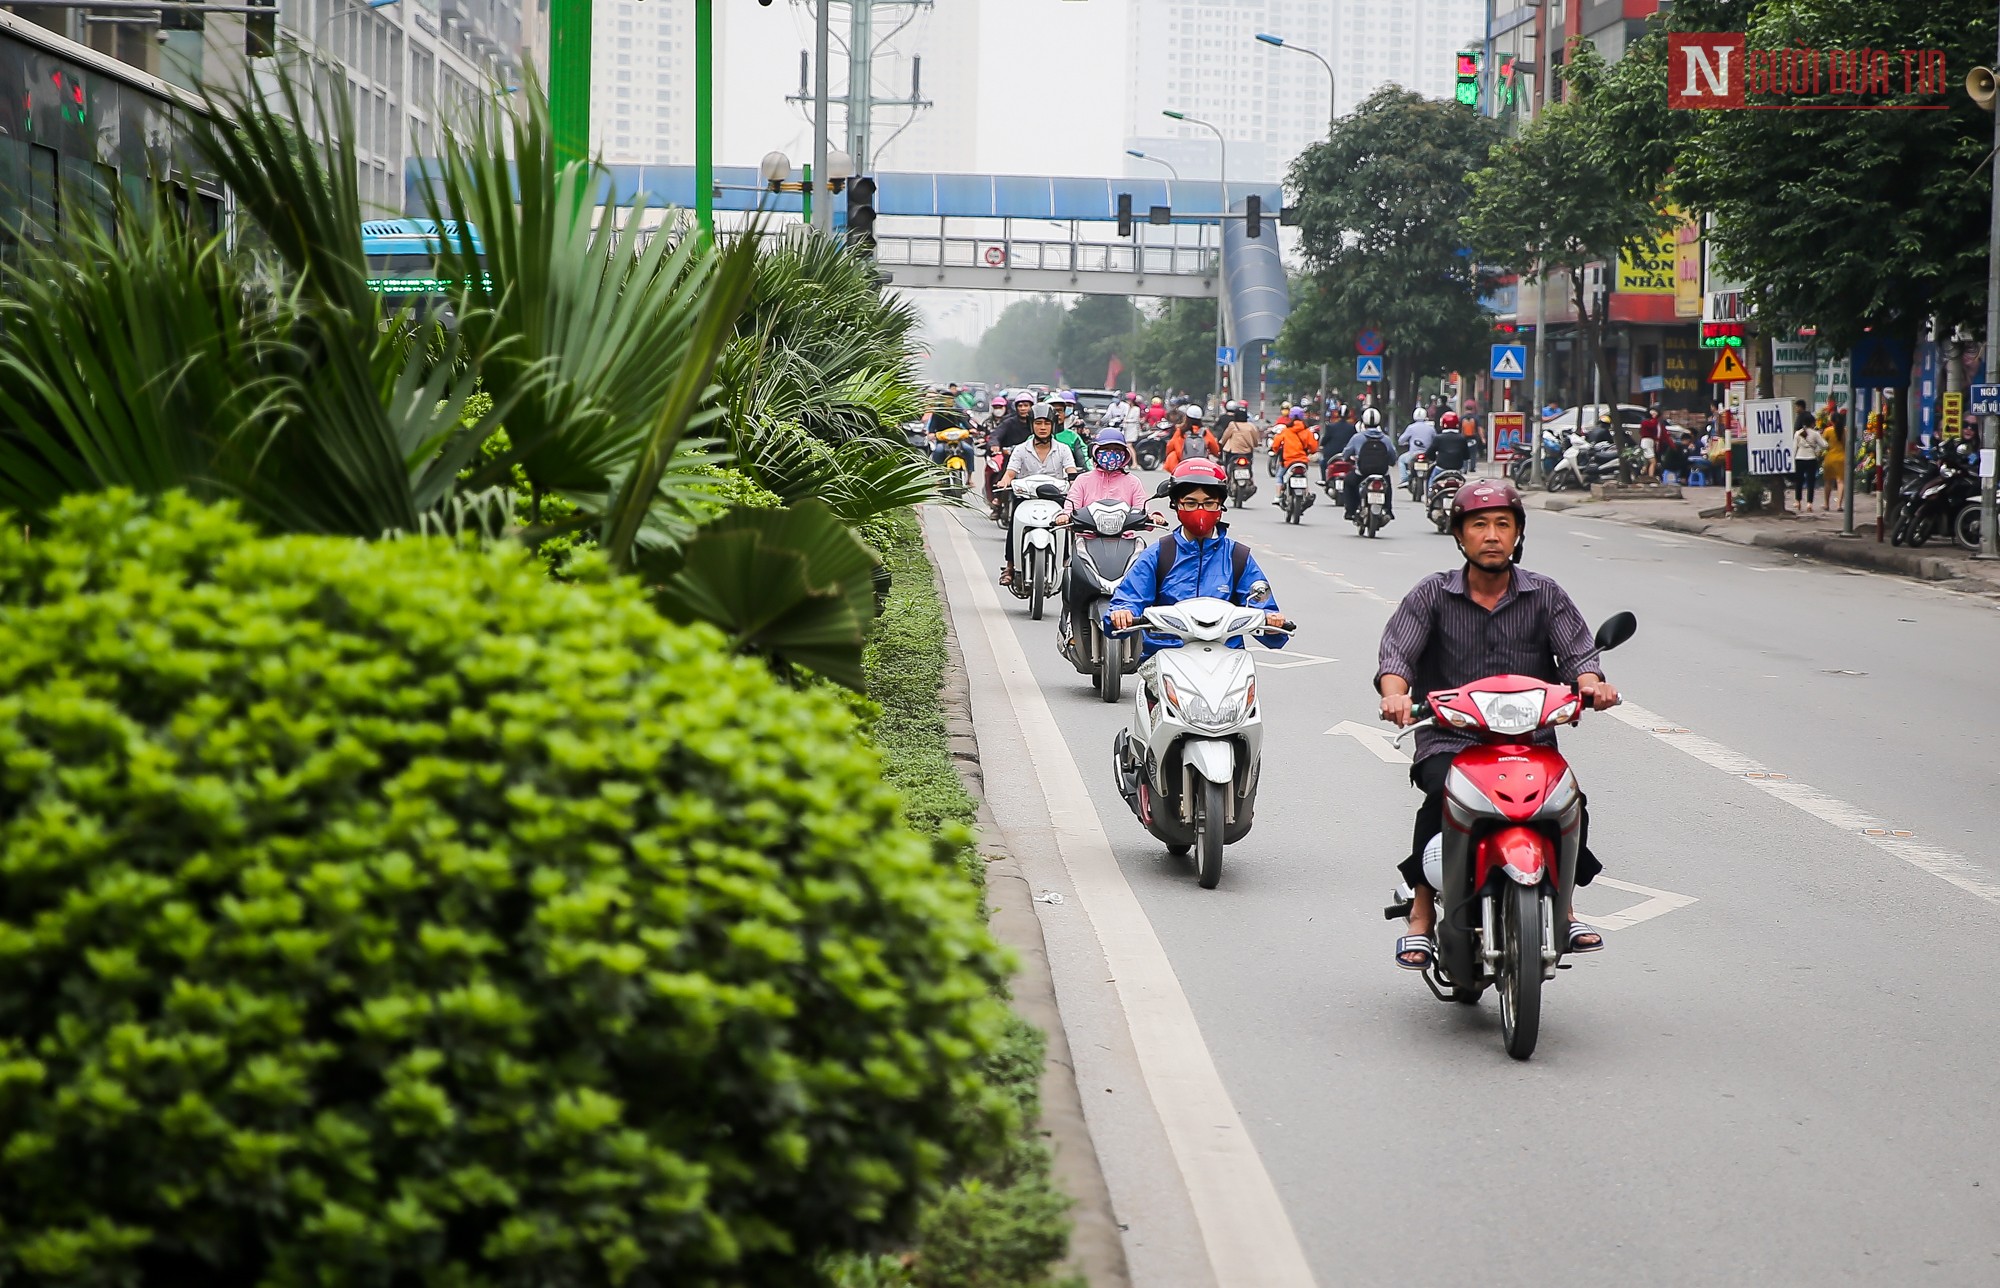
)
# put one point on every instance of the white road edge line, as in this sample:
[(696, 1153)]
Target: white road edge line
[(1250, 1240), (1943, 864)]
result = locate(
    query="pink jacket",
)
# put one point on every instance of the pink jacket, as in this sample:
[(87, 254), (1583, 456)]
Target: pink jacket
[(1099, 485)]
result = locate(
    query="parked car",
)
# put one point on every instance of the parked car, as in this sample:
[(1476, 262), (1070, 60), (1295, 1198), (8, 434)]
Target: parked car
[(1566, 421), (1095, 402)]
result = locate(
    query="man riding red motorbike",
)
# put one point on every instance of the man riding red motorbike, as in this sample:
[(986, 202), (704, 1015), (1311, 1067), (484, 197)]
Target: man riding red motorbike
[(1488, 618)]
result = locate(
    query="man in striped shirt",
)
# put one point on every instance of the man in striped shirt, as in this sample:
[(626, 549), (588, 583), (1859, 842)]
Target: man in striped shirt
[(1490, 617)]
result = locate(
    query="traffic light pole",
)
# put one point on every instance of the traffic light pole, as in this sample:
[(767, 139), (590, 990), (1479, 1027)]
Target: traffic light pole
[(820, 213), (704, 114), (569, 79)]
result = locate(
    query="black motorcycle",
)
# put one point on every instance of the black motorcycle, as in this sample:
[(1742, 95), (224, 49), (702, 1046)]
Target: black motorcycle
[(1150, 448), (1242, 479), (1935, 502)]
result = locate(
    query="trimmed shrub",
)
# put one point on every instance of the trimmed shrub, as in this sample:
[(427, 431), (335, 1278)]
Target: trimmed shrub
[(386, 913)]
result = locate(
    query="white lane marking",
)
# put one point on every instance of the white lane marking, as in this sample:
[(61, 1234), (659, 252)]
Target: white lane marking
[(1657, 903), (1250, 1240), (1288, 659), (1658, 539), (1944, 864), (1377, 741)]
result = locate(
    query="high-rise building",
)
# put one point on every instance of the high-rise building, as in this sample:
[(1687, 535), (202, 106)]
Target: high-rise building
[(1202, 57), (943, 136), (642, 82)]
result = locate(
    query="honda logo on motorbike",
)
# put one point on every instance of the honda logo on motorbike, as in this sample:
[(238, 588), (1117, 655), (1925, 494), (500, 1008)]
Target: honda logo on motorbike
[(1705, 69)]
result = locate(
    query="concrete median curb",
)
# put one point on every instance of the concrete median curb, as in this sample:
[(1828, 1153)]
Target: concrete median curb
[(1097, 1249)]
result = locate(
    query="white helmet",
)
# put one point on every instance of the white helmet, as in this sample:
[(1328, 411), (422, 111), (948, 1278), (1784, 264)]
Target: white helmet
[(1420, 414), (1193, 411), (1371, 419)]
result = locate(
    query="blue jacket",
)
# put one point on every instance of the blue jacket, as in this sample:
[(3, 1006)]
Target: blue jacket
[(1200, 569)]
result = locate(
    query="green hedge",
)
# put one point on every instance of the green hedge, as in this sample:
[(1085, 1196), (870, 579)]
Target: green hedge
[(385, 913)]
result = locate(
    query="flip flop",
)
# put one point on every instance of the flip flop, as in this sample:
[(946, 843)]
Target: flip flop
[(1415, 944), (1577, 930)]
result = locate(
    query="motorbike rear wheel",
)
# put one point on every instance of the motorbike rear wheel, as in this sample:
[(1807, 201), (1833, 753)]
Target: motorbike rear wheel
[(955, 479), (1520, 969), (1037, 588), (1208, 842), (1110, 669), (1374, 524)]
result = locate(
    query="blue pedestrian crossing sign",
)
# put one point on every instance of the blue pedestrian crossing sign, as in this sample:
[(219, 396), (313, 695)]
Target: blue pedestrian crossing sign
[(1510, 362), (1368, 367), (1225, 356)]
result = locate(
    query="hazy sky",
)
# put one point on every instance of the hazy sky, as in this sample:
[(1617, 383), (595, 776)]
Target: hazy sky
[(1072, 51)]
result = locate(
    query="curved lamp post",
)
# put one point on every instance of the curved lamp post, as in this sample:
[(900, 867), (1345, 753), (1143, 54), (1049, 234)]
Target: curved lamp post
[(1332, 103), (1134, 152), (1221, 290)]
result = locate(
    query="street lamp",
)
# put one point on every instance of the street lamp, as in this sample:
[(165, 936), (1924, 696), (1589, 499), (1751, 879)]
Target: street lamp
[(774, 169), (1333, 102), (1134, 152), (1221, 289)]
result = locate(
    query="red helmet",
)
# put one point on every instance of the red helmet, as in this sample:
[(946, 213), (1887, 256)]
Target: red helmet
[(1198, 472), (1488, 494), (1448, 421)]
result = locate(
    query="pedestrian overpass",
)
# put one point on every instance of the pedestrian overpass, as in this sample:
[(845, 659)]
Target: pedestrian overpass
[(1036, 233)]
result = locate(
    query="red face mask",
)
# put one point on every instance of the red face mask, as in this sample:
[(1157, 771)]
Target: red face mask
[(1200, 524)]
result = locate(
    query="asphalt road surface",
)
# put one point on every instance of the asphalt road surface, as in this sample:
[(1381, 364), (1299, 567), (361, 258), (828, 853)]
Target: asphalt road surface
[(1783, 1070)]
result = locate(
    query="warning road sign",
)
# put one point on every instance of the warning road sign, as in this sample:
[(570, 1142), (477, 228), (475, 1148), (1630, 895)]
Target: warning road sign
[(1880, 363), (1510, 362), (1728, 369)]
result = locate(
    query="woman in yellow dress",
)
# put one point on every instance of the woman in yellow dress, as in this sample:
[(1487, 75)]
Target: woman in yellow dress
[(1832, 462)]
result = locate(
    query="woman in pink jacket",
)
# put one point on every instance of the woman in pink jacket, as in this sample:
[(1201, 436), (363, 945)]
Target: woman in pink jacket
[(1109, 479)]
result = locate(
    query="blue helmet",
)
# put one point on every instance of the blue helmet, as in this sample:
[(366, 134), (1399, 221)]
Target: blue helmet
[(1111, 443)]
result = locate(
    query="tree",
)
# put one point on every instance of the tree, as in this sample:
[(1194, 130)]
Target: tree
[(1176, 349), (1096, 329), (1020, 347), (1844, 220), (1379, 223), (1543, 206)]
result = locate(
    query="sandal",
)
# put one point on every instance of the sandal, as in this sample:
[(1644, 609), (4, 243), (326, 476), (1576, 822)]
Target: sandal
[(1577, 931), (1415, 944), (1007, 574)]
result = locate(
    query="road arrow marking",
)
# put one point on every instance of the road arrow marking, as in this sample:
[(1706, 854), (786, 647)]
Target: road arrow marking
[(1377, 741), (1288, 659), (1658, 903)]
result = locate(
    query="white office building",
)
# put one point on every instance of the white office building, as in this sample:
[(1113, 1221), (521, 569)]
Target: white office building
[(1202, 57), (642, 82)]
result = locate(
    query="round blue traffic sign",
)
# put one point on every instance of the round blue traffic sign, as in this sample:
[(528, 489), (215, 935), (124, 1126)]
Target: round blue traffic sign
[(1369, 343)]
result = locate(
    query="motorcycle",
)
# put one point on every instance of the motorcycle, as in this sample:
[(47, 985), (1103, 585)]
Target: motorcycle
[(1189, 762), (1420, 476), (1373, 512), (1150, 448), (1335, 482), (1038, 501), (957, 444), (1103, 543), (1938, 500), (1001, 501), (1504, 865), (1443, 490), (1242, 479), (1522, 468), (1583, 464), (1297, 496)]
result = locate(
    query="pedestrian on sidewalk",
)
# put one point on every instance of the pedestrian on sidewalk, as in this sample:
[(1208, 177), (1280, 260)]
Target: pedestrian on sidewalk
[(1807, 444), (1833, 461)]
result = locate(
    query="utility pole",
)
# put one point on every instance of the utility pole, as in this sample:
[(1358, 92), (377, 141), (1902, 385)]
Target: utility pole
[(1989, 428), (822, 199), (569, 78), (704, 114), (860, 81)]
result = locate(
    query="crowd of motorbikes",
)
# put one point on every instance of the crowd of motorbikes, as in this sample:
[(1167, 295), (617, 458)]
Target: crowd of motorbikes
[(1188, 760)]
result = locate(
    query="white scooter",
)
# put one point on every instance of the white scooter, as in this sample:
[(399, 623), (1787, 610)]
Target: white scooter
[(1038, 501), (1188, 765)]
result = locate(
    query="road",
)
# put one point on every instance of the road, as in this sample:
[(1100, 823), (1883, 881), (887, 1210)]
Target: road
[(1783, 1069)]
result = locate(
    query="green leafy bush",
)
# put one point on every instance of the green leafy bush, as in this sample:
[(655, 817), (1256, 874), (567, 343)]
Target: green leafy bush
[(387, 913)]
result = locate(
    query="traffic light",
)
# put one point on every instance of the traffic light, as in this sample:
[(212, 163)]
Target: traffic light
[(1124, 214), (861, 216), (1505, 90), (1467, 91), (1253, 216)]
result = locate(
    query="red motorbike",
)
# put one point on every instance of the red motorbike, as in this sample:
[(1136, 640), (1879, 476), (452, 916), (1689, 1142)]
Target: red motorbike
[(1505, 865)]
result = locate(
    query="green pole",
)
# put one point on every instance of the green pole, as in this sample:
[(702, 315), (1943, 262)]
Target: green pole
[(808, 197), (569, 78), (704, 114)]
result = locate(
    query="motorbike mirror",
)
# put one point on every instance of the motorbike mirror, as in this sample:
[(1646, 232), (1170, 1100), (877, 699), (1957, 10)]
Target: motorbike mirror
[(1166, 486), (1617, 628), (1260, 592)]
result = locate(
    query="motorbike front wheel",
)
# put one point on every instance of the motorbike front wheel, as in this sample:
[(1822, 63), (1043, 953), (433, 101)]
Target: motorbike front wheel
[(1208, 844), (1110, 669), (1966, 530), (1521, 969), (1037, 584)]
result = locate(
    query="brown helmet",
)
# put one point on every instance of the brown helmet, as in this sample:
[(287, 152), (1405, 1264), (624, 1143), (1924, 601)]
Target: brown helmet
[(1490, 494)]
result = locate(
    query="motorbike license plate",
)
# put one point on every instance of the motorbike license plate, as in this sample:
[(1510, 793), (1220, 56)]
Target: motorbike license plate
[(1299, 483), (1374, 501), (1242, 472)]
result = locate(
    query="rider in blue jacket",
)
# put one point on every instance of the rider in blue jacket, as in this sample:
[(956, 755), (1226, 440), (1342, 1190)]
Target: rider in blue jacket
[(1194, 561)]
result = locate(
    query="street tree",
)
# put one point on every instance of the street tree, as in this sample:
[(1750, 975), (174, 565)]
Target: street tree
[(1542, 208), (1850, 221), (1020, 347), (1097, 329), (1176, 348), (1379, 207)]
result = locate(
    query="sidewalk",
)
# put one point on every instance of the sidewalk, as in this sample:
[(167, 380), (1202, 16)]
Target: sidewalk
[(1815, 535)]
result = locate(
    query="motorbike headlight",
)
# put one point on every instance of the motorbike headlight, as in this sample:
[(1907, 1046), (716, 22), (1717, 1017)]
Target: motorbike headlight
[(1196, 711), (1510, 712)]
